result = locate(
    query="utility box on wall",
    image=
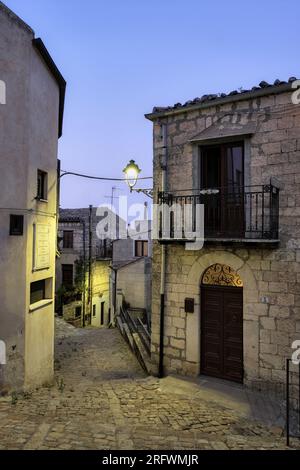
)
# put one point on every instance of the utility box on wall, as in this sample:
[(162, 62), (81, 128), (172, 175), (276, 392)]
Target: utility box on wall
[(189, 305)]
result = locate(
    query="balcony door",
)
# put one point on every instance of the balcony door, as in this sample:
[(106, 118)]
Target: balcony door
[(222, 185)]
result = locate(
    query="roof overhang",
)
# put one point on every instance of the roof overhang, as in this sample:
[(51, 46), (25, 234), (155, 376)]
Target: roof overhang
[(41, 48), (270, 90)]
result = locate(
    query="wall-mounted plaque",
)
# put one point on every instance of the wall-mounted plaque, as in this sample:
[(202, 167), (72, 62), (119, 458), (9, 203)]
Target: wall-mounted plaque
[(41, 246)]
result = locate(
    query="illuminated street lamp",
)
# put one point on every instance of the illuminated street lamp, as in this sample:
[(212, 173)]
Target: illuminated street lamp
[(132, 172)]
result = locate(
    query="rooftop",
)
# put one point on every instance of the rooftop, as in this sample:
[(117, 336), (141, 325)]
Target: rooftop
[(264, 88), (15, 18), (46, 57)]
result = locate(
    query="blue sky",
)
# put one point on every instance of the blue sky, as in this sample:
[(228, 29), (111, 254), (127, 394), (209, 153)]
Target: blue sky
[(121, 58)]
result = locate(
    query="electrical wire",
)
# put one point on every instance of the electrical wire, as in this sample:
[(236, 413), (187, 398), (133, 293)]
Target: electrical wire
[(64, 173), (28, 211)]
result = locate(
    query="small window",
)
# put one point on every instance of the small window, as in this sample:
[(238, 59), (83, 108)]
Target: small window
[(37, 291), (141, 248), (16, 225), (68, 239), (78, 312), (94, 310), (67, 275), (42, 183)]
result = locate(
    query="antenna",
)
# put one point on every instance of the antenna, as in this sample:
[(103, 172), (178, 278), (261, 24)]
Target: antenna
[(112, 197)]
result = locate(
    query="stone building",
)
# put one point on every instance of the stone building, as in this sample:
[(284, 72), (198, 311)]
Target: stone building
[(131, 271), (83, 269), (31, 117), (231, 309)]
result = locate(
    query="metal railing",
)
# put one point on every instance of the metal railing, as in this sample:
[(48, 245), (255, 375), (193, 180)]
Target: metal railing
[(103, 252), (144, 335), (136, 325), (243, 212), (292, 386)]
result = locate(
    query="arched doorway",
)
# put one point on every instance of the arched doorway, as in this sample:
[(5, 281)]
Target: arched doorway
[(222, 323)]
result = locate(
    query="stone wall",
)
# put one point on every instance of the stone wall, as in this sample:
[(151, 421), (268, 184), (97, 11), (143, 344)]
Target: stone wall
[(271, 275), (100, 263), (84, 214), (134, 283), (69, 313)]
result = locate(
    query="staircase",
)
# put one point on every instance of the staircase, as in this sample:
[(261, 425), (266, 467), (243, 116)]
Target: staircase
[(137, 335)]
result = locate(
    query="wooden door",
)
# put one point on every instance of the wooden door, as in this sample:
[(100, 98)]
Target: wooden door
[(222, 332)]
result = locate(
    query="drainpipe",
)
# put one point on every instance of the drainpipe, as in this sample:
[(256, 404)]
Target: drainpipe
[(57, 193), (90, 260), (84, 271), (115, 293), (163, 256)]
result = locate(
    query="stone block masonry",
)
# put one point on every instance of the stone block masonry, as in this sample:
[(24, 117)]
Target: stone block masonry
[(270, 273)]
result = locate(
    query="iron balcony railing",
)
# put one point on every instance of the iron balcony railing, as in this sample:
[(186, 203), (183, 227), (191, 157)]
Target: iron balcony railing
[(233, 212), (103, 252), (136, 325)]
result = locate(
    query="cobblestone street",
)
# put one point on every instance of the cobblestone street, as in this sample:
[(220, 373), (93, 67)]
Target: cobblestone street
[(103, 400)]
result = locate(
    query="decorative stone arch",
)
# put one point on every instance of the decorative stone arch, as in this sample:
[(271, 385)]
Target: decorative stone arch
[(250, 298), (221, 275)]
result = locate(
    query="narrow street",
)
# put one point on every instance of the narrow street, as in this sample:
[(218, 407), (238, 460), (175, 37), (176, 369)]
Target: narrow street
[(103, 400)]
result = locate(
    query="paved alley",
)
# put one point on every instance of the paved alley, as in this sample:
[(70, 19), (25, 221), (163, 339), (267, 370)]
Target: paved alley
[(102, 399)]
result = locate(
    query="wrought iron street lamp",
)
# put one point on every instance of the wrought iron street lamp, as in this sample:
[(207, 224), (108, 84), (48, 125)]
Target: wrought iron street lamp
[(132, 172)]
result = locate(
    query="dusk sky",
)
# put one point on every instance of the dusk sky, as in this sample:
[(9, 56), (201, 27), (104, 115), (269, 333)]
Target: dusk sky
[(121, 58)]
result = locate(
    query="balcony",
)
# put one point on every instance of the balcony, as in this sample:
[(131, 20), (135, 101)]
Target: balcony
[(231, 214), (103, 252)]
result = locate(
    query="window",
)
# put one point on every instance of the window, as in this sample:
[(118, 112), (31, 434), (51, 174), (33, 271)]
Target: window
[(37, 291), (222, 166), (94, 310), (102, 312), (68, 239), (16, 225), (67, 275), (42, 185), (78, 312), (141, 248), (222, 169)]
